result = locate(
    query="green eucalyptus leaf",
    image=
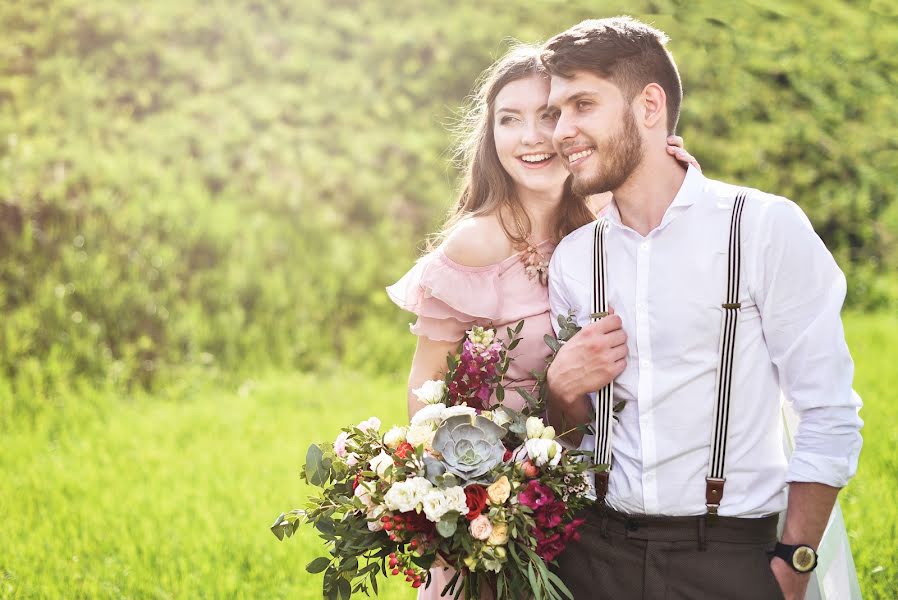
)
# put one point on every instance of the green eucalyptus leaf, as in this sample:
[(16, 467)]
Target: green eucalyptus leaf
[(500, 393), (318, 565), (552, 342), (316, 473), (519, 327), (447, 528)]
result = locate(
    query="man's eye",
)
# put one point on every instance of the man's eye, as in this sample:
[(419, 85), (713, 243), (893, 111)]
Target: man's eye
[(550, 116), (583, 104)]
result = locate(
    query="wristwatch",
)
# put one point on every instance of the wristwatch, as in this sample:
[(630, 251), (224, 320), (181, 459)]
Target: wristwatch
[(801, 557)]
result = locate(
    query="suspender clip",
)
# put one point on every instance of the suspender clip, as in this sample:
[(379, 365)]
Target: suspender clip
[(713, 493), (598, 315), (601, 485), (731, 305)]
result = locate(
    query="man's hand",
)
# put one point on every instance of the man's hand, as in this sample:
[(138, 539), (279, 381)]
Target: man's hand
[(588, 361), (793, 584)]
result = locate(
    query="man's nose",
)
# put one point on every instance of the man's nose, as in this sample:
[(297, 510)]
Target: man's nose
[(564, 130)]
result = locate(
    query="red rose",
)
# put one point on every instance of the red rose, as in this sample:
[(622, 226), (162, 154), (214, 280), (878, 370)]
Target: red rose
[(475, 498), (404, 450), (507, 456)]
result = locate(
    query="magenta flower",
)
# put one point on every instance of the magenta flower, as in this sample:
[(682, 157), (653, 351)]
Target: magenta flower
[(535, 495)]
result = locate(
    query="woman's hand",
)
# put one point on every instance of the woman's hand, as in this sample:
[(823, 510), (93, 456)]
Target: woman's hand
[(676, 149)]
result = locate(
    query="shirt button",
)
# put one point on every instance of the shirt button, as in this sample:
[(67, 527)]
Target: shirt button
[(644, 246), (649, 475), (646, 364)]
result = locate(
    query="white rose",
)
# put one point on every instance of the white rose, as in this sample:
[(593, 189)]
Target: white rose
[(535, 427), (454, 411), (435, 504), (395, 436), (420, 435), (543, 452), (431, 392), (548, 433), (432, 414), (380, 463)]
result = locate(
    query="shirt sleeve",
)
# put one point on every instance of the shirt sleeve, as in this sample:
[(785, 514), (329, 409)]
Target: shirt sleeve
[(799, 291)]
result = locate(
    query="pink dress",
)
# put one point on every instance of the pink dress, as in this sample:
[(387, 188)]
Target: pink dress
[(450, 298)]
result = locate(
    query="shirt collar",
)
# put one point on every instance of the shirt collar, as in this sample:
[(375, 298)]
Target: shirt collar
[(691, 189)]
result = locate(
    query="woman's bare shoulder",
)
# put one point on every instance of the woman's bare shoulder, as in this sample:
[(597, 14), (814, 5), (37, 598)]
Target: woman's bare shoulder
[(477, 242)]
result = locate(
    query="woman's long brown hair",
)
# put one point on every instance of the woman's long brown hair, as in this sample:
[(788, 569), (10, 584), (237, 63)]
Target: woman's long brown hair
[(486, 187)]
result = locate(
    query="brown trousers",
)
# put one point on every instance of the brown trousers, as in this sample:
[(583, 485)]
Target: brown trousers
[(670, 558)]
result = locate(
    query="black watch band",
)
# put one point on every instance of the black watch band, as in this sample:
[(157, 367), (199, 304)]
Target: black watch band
[(801, 557)]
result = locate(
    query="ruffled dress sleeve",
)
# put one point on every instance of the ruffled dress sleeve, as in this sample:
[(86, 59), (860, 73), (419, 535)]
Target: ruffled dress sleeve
[(447, 297)]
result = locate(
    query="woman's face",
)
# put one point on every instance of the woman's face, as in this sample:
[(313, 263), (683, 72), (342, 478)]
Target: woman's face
[(522, 131)]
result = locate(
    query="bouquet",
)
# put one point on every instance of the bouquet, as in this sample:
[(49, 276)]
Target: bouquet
[(486, 490)]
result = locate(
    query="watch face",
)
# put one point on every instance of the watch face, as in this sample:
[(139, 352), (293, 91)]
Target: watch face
[(803, 559)]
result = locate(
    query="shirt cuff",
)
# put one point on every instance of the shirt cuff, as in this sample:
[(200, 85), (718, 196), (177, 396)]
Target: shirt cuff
[(805, 467)]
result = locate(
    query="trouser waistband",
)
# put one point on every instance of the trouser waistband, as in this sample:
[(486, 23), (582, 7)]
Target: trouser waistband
[(703, 528)]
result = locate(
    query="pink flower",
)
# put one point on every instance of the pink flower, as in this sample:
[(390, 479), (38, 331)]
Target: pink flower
[(372, 424), (550, 547), (481, 528), (549, 516), (570, 530), (535, 495), (340, 444)]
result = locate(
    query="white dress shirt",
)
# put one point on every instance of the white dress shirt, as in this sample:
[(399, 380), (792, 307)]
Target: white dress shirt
[(668, 288)]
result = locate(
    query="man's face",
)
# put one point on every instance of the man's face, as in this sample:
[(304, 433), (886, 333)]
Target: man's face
[(596, 133)]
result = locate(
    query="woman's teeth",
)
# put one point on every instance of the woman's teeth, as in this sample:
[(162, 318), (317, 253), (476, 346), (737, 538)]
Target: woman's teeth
[(534, 158)]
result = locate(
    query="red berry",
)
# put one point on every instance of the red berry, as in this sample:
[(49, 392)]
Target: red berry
[(416, 584), (395, 571), (409, 578)]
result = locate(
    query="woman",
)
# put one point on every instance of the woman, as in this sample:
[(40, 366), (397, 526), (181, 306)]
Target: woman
[(490, 260)]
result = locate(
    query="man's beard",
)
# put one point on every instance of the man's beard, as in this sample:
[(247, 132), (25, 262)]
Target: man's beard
[(619, 155)]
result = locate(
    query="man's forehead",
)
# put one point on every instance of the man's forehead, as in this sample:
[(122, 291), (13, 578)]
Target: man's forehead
[(580, 82)]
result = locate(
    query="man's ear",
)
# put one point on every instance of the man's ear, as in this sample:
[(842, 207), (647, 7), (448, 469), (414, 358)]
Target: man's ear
[(653, 104)]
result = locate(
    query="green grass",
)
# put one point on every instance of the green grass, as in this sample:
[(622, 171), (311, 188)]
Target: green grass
[(172, 498)]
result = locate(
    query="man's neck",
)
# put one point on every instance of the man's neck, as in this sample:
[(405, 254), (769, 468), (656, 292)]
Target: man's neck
[(644, 198)]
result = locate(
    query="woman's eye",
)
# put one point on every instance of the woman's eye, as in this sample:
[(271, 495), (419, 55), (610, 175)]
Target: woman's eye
[(549, 117), (583, 105), (506, 120)]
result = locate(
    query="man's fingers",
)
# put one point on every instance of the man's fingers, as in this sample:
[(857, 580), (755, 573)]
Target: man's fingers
[(616, 338), (610, 323)]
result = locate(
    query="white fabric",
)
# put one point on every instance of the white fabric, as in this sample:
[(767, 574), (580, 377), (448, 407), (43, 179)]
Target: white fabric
[(668, 288), (835, 577)]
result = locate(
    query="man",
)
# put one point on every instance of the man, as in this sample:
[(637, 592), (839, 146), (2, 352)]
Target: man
[(682, 517)]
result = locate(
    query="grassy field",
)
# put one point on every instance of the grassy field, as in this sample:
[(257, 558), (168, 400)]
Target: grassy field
[(172, 497)]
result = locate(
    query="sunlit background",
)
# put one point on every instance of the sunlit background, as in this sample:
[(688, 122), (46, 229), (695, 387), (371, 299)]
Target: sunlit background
[(200, 206)]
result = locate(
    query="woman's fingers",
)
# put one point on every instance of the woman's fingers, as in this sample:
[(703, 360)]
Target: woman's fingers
[(675, 140)]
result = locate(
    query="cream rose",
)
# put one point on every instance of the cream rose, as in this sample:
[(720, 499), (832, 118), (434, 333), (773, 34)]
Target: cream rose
[(499, 536), (499, 491), (380, 463), (395, 436), (481, 528)]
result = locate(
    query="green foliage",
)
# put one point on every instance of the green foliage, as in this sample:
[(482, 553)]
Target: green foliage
[(223, 186)]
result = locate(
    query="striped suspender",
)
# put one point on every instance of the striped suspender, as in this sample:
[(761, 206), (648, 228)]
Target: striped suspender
[(605, 396), (715, 479)]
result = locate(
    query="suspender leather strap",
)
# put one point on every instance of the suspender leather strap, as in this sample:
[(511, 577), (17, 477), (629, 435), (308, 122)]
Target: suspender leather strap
[(605, 396), (714, 482)]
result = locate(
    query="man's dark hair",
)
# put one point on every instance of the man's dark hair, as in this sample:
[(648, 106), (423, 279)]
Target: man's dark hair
[(625, 51)]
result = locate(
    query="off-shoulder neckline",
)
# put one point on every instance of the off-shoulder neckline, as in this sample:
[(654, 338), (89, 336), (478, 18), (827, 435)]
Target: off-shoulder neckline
[(440, 252)]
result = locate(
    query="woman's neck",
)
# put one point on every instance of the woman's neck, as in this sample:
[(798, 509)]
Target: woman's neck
[(542, 209)]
